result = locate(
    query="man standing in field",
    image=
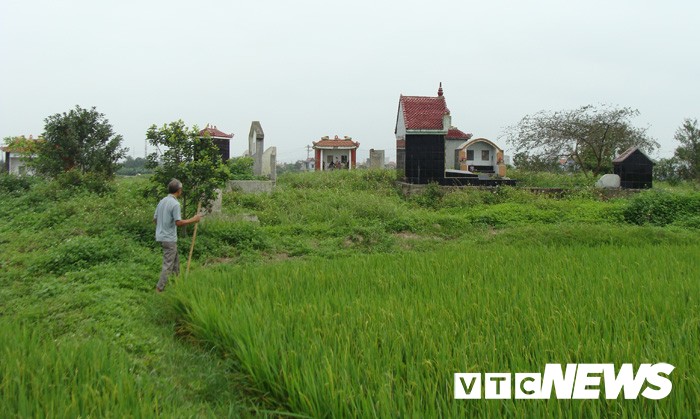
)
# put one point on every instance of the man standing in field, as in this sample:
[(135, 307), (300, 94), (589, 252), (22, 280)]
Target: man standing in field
[(167, 219)]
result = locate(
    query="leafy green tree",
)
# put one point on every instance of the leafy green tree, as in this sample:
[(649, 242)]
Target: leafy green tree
[(591, 136), (81, 140), (688, 153), (524, 161), (182, 154), (241, 168), (669, 170)]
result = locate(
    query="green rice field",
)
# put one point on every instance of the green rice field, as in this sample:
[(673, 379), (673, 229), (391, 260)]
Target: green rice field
[(338, 296), (382, 335)]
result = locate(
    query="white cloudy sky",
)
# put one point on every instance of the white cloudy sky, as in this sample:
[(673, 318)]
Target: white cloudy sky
[(309, 68)]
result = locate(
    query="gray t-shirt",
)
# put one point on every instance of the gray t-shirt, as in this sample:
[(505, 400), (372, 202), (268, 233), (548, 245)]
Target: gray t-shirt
[(167, 212)]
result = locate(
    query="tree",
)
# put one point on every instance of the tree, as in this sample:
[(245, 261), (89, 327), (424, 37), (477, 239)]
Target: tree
[(688, 153), (670, 170), (80, 140), (590, 136), (182, 154), (524, 161), (241, 168)]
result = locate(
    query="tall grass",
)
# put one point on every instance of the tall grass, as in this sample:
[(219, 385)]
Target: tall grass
[(63, 379), (381, 336)]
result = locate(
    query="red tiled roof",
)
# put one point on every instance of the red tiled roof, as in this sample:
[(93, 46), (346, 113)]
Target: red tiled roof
[(423, 112), (337, 142), (456, 134), (214, 132)]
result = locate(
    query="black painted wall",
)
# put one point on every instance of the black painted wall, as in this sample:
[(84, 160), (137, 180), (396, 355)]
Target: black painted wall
[(224, 148), (635, 171), (425, 158)]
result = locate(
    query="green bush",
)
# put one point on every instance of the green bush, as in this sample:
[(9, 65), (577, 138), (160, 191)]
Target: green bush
[(661, 208), (10, 183), (92, 182), (242, 235), (82, 252)]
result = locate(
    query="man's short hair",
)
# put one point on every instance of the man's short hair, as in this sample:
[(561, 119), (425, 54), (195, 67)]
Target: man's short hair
[(174, 186)]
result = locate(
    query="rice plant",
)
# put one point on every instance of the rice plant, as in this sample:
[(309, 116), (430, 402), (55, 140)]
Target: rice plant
[(382, 335)]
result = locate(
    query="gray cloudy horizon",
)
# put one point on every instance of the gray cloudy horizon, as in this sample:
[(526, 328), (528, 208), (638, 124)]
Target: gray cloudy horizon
[(308, 69)]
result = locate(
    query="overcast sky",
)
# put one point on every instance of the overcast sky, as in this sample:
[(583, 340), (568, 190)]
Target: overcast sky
[(307, 68)]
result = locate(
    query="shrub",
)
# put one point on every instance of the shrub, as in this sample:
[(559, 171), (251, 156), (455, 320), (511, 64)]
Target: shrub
[(10, 183), (661, 208), (242, 235), (82, 252), (430, 197), (92, 182)]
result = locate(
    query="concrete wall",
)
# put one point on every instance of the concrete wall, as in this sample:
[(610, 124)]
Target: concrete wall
[(400, 125), (376, 159), (450, 147), (251, 186), (269, 163), (18, 165)]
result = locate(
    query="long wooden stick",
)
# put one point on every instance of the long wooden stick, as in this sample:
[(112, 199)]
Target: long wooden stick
[(194, 237)]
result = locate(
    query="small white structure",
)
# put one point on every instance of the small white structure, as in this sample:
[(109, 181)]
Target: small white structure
[(608, 181), (376, 159), (16, 160), (264, 161), (481, 156), (337, 153)]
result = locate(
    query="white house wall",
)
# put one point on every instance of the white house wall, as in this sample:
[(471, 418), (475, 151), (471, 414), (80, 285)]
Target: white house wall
[(400, 125), (18, 166), (478, 147), (450, 147), (334, 154)]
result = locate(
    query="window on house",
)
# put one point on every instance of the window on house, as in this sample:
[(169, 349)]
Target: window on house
[(485, 155), (470, 154), (343, 159)]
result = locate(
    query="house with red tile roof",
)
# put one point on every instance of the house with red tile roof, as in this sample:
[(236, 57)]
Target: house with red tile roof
[(220, 138), (429, 148), (335, 153)]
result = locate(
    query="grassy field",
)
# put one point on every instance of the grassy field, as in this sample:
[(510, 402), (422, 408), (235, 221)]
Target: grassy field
[(381, 335), (79, 265)]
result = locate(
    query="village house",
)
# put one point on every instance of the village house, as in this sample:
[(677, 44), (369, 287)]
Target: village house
[(430, 149), (16, 158), (335, 153), (221, 139)]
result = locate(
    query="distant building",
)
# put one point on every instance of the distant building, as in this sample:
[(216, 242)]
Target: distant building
[(429, 149), (336, 153), (16, 159), (453, 140), (422, 122), (309, 165), (481, 156), (634, 168), (221, 139)]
